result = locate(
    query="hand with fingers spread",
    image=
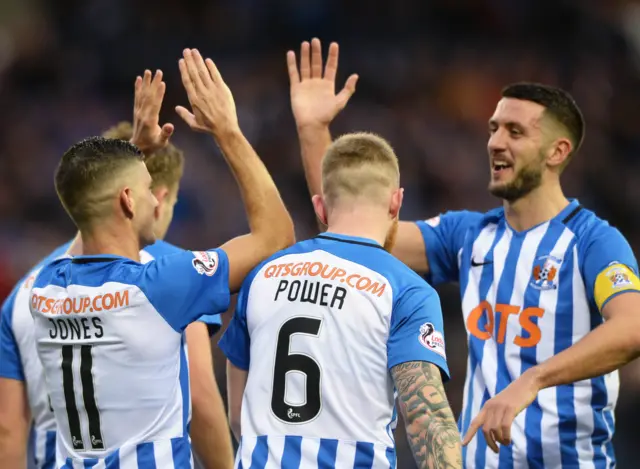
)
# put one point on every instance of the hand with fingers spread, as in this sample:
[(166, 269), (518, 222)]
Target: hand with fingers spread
[(313, 98), (148, 135), (497, 415), (213, 108)]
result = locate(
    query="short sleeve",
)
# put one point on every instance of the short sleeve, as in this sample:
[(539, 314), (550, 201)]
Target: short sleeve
[(609, 267), (443, 238), (416, 332), (213, 322), (183, 287), (235, 342), (10, 363)]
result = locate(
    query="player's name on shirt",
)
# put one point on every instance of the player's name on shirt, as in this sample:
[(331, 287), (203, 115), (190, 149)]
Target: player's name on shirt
[(69, 321), (324, 293)]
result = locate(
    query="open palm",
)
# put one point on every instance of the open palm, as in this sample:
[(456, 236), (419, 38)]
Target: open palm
[(313, 97)]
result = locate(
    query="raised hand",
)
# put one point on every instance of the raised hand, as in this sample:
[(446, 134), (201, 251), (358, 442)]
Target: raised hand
[(313, 98), (148, 135), (212, 105)]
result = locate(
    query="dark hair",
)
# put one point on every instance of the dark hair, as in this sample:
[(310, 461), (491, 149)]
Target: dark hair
[(84, 171), (558, 104)]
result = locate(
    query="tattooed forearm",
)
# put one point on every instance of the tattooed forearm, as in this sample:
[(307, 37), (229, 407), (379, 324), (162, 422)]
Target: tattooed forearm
[(431, 428)]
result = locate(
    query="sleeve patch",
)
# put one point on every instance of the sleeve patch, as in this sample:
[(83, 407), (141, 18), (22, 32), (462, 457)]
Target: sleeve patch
[(205, 262), (432, 339), (612, 280)]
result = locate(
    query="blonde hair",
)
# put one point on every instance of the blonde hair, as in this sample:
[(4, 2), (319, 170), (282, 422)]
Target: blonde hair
[(359, 165), (165, 166)]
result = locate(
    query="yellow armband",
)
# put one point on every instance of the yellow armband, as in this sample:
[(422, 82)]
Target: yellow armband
[(614, 279)]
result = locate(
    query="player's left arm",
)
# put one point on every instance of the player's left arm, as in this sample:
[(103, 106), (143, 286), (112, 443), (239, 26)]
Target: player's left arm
[(209, 427), (236, 383), (610, 273), (236, 346), (416, 358), (15, 417)]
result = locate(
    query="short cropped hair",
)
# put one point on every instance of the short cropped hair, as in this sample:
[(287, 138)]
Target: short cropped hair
[(359, 165), (559, 105), (86, 173), (166, 165)]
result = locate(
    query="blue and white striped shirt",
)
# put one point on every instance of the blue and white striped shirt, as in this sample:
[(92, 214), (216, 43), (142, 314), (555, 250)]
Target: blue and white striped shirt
[(527, 296), (19, 359)]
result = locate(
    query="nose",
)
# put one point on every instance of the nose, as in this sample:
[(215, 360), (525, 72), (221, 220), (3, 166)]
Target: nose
[(497, 141)]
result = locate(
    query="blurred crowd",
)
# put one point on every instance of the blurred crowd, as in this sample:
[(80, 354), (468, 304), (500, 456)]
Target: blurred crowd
[(430, 75)]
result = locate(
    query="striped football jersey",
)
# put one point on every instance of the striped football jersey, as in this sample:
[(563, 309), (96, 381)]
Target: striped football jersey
[(527, 296), (318, 326), (109, 334), (19, 358)]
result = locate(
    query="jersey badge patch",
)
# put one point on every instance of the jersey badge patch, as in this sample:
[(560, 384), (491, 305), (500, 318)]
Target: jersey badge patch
[(619, 278), (432, 339), (545, 273), (205, 262)]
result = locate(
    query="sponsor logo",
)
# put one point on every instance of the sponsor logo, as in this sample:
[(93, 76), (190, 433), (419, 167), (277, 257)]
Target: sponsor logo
[(326, 271), (80, 304), (482, 320)]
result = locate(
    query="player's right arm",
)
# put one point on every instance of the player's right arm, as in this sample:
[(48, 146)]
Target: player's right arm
[(15, 417), (271, 227), (416, 358), (315, 104)]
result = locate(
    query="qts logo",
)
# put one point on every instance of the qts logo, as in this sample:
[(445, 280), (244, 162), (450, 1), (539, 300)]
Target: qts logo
[(531, 332)]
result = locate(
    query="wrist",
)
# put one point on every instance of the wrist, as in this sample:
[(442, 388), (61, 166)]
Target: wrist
[(312, 127), (536, 376), (227, 134)]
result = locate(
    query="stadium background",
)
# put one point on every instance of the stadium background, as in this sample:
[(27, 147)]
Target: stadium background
[(430, 74)]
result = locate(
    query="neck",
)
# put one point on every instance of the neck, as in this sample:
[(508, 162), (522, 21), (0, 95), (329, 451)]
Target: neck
[(363, 222), (537, 207), (75, 248), (111, 239)]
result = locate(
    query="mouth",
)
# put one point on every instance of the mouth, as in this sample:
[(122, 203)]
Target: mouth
[(500, 168)]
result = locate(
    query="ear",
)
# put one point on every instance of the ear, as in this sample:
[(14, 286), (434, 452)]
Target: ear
[(396, 203), (127, 203), (320, 208), (559, 152)]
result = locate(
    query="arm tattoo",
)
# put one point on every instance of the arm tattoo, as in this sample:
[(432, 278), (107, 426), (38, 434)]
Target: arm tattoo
[(431, 428)]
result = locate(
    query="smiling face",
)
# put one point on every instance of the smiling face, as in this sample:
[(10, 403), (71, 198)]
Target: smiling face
[(518, 147)]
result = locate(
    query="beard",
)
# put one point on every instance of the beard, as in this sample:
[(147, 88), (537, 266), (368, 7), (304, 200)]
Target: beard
[(525, 181), (390, 240)]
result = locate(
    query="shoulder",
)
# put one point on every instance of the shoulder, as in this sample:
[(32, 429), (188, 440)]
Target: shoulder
[(592, 231), (161, 248)]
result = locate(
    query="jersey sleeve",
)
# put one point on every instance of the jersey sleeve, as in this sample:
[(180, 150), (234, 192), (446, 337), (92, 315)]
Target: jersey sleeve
[(609, 267), (185, 286), (416, 332), (213, 322), (235, 342), (10, 363), (443, 238)]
